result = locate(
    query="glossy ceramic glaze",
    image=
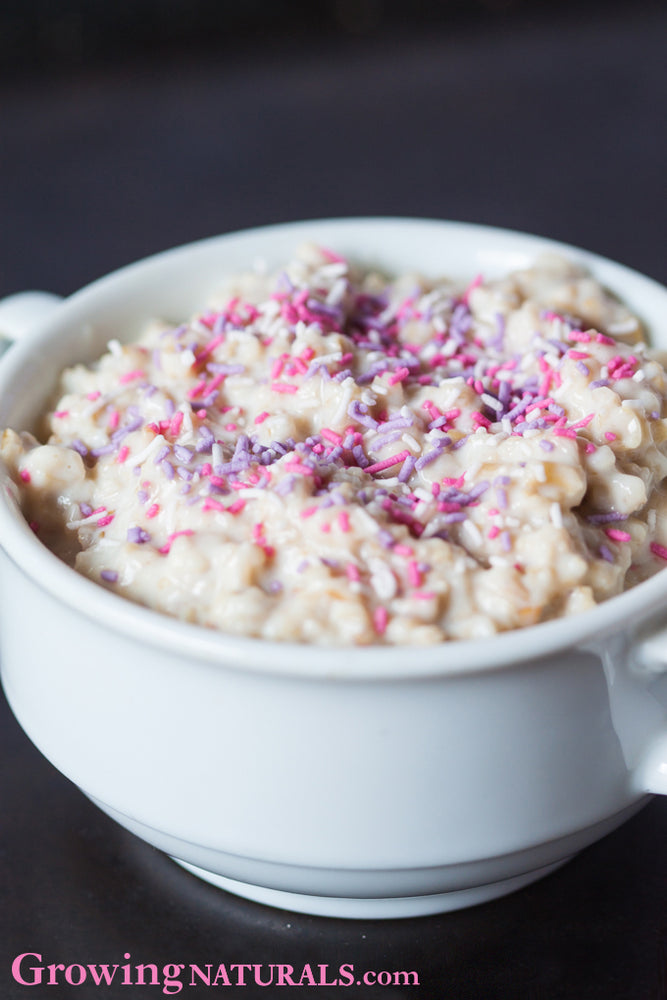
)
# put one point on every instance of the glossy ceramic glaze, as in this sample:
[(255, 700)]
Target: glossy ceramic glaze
[(365, 782)]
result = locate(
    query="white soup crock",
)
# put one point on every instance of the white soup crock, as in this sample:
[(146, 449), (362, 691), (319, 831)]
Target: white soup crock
[(369, 782)]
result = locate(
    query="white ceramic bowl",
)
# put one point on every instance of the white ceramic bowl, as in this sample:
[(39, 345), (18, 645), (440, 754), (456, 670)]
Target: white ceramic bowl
[(373, 782)]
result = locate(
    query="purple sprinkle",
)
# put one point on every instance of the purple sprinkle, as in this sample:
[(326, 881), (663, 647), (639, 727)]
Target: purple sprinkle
[(220, 369), (138, 535), (605, 518), (385, 439), (161, 455), (167, 468), (406, 469), (106, 449), (581, 367), (142, 496), (360, 456), (426, 459), (606, 554), (477, 491), (358, 412), (453, 517), (78, 446), (109, 575), (501, 496), (285, 486), (386, 538), (599, 382), (184, 473), (505, 540), (86, 509), (546, 445), (182, 453)]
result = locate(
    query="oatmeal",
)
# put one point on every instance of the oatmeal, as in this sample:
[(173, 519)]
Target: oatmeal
[(330, 456)]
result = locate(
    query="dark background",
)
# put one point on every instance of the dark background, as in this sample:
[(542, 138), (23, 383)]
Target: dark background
[(129, 127)]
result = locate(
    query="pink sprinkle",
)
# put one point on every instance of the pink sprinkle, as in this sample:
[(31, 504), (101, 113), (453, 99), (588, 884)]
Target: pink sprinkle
[(577, 355), (473, 284), (165, 549), (332, 257), (277, 366), (284, 387), (25, 475), (601, 338), (580, 336), (567, 432), (237, 506), (424, 595), (175, 424), (610, 436), (353, 572), (211, 504), (206, 469), (584, 422), (114, 418), (325, 527), (217, 480), (201, 414), (132, 376), (658, 550), (404, 550), (387, 463), (494, 531), (617, 535), (331, 436), (299, 467), (61, 413), (590, 448), (122, 454), (197, 390), (398, 376), (344, 521), (380, 619), (103, 521), (153, 510), (92, 396), (308, 511), (261, 417), (231, 427), (414, 576), (209, 348)]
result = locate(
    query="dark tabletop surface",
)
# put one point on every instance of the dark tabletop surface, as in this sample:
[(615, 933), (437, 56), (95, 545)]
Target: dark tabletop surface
[(543, 118)]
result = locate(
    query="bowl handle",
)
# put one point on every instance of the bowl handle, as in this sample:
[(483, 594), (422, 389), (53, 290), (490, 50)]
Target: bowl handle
[(21, 313), (650, 775)]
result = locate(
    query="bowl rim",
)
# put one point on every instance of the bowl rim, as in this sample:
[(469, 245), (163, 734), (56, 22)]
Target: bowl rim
[(376, 662)]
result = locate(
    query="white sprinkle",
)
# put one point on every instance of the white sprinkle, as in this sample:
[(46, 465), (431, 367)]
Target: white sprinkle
[(411, 442), (556, 515), (149, 450), (472, 531)]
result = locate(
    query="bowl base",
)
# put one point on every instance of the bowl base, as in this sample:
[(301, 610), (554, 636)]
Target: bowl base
[(373, 909)]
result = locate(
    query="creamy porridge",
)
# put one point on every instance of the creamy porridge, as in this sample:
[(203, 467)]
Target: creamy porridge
[(329, 456)]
